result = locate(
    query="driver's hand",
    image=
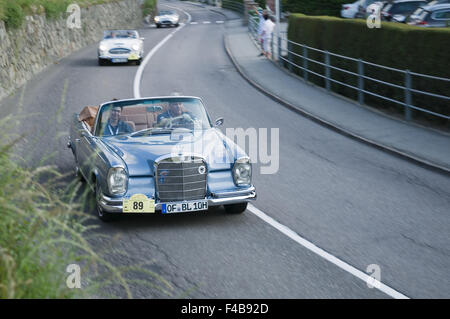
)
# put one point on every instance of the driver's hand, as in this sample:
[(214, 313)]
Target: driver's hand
[(187, 117)]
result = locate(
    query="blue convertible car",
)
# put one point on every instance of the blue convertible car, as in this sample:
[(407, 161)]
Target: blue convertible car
[(158, 154)]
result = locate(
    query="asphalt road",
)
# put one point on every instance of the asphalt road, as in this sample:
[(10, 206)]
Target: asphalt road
[(357, 203)]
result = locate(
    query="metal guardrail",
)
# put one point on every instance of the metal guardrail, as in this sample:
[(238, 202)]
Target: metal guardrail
[(233, 5), (282, 48)]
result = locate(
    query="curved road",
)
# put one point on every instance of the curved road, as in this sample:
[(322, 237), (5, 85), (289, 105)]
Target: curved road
[(358, 204)]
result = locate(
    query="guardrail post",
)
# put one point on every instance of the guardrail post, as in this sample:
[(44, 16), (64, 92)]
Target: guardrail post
[(360, 82), (271, 45), (327, 70), (280, 61), (289, 48), (305, 63), (407, 95)]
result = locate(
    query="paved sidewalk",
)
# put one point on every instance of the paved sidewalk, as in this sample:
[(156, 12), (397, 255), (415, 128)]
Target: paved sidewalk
[(424, 146)]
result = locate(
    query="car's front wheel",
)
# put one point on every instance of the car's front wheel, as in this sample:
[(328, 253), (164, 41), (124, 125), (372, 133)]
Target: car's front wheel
[(101, 62), (236, 208), (138, 62)]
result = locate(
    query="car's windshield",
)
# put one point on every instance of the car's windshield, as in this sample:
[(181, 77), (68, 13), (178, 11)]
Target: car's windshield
[(120, 34), (147, 115), (166, 12)]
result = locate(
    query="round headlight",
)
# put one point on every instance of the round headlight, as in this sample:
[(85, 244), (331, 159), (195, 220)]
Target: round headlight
[(117, 180), (102, 47), (242, 171), (135, 47), (156, 19)]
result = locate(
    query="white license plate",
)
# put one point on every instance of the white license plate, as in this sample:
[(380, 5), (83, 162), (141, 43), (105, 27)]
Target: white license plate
[(183, 207), (119, 60)]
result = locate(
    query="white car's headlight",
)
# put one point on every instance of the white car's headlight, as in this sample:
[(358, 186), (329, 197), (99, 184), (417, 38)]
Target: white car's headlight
[(117, 180), (102, 47), (242, 171), (135, 47), (156, 19)]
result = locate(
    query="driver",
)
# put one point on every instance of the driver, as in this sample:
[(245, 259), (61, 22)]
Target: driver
[(175, 110), (114, 125)]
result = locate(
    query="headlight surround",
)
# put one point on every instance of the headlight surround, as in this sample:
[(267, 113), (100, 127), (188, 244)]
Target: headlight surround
[(242, 172), (135, 47), (156, 19), (117, 180), (102, 47)]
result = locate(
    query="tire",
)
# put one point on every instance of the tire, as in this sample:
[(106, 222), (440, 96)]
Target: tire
[(236, 208), (102, 215), (101, 62), (177, 25), (158, 25), (138, 62)]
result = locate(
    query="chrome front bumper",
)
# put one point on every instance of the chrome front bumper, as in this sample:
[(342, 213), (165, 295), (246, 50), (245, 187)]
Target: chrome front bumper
[(114, 205)]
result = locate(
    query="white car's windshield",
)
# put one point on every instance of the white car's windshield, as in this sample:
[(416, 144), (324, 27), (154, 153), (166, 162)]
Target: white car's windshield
[(160, 115), (120, 34)]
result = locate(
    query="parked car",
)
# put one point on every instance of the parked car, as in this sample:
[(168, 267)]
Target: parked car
[(435, 14), (350, 10), (399, 10), (120, 46), (167, 18), (363, 7), (159, 154)]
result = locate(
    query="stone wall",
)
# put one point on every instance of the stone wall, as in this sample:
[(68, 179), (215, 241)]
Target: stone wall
[(40, 42)]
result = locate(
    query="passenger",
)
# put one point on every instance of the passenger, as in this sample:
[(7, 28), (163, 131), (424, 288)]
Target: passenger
[(115, 126)]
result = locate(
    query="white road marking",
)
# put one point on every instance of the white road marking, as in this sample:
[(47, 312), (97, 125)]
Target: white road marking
[(220, 21), (322, 253), (206, 22), (138, 76), (284, 229)]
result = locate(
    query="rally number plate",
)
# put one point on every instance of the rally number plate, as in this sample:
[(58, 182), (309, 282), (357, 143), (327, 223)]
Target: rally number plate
[(138, 203)]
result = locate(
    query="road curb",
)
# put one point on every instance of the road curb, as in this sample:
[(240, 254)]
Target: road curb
[(341, 130)]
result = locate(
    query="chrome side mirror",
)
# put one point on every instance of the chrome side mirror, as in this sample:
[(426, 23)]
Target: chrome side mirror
[(219, 122)]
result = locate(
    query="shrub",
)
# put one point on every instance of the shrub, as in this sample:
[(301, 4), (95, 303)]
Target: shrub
[(395, 45), (314, 7)]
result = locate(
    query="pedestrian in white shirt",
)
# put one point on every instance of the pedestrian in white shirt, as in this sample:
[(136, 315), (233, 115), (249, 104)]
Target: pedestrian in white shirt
[(261, 14), (267, 34)]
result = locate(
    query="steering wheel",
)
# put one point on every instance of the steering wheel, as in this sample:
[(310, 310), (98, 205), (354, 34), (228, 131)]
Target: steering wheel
[(179, 119)]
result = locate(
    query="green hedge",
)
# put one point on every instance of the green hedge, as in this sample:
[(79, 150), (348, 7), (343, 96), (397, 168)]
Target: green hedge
[(400, 46), (314, 7)]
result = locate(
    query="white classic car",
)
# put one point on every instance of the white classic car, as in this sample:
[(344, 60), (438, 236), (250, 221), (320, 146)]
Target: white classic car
[(167, 17), (120, 46)]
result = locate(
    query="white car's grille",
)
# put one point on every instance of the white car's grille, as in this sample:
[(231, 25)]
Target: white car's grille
[(119, 51)]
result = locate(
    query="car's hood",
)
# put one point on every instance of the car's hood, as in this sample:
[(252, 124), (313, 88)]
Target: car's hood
[(140, 152), (120, 43), (168, 16)]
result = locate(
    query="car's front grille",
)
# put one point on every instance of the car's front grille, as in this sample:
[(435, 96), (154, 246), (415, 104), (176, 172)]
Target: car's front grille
[(178, 180), (119, 51)]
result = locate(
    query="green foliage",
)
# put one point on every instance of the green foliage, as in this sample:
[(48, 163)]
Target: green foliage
[(314, 7), (43, 231), (396, 45), (13, 14), (149, 7)]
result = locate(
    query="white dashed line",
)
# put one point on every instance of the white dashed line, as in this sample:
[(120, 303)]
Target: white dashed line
[(194, 22), (206, 22), (322, 253), (220, 21)]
